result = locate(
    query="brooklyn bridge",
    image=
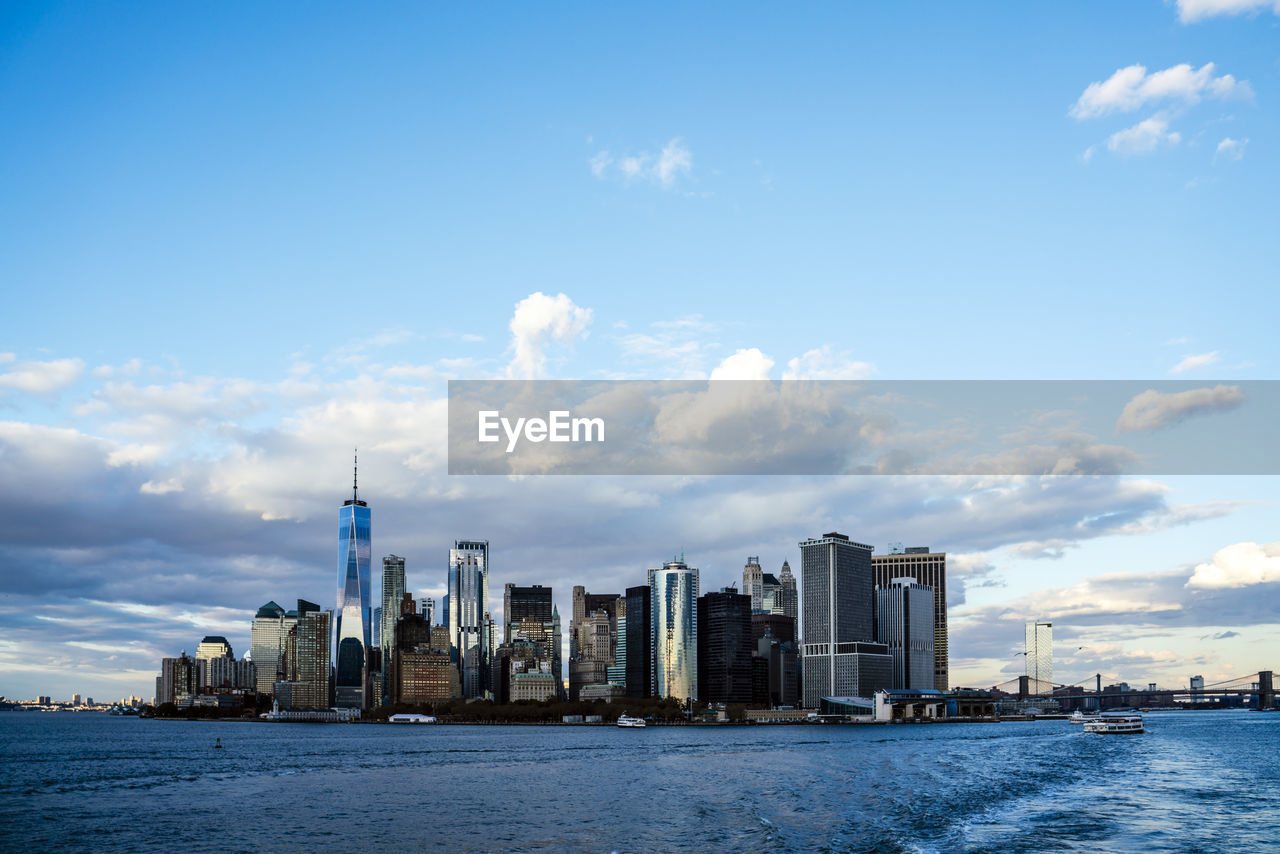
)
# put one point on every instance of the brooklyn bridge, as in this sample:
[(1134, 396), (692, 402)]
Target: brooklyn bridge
[(1255, 690)]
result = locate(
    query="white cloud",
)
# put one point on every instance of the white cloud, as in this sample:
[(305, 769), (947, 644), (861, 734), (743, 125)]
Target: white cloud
[(1190, 11), (1198, 360), (1240, 565), (664, 168), (1144, 137), (41, 377), (1231, 149), (161, 487), (540, 320), (1132, 87), (1152, 410), (825, 364), (744, 365)]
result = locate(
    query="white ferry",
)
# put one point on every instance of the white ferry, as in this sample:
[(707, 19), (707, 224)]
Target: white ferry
[(1116, 725), (1079, 717), (625, 720), (412, 719)]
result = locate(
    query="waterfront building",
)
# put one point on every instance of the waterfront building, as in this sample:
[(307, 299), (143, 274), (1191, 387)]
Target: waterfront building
[(213, 646), (309, 656), (840, 656), (469, 624), (724, 647), (271, 625), (225, 674), (180, 678), (618, 670), (929, 568), (638, 650), (673, 630), (904, 623), (420, 667), (532, 680), (1038, 649), (354, 610), (593, 637), (393, 594)]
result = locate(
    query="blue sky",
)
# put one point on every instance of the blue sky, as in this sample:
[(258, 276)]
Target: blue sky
[(234, 240)]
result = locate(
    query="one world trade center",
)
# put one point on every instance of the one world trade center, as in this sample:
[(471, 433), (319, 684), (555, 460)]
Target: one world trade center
[(353, 608)]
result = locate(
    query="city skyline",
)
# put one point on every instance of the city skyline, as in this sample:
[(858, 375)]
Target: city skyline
[(231, 259)]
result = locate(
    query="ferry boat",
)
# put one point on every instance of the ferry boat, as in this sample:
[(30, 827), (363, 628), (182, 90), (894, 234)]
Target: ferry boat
[(1079, 717), (1116, 725), (625, 720)]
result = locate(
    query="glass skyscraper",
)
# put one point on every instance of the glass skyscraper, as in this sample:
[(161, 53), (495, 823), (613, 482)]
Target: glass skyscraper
[(673, 630), (468, 619), (353, 612)]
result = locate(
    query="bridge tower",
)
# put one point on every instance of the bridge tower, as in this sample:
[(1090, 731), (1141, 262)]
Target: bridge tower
[(1266, 694)]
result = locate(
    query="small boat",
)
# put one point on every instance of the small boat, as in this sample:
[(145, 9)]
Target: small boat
[(1079, 717), (1116, 725), (625, 720)]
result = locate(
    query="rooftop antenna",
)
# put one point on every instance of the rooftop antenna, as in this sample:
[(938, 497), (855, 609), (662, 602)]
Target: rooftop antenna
[(355, 475)]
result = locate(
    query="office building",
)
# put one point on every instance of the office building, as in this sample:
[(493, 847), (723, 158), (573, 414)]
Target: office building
[(180, 678), (928, 568), (469, 624), (724, 647), (1038, 649), (309, 657), (673, 630), (753, 584), (267, 635), (840, 656), (354, 610), (427, 608), (639, 652), (213, 646), (393, 594), (786, 601), (420, 666), (905, 624), (593, 637), (524, 603)]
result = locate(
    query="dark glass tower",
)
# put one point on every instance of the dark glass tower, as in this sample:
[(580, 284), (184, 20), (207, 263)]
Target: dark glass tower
[(353, 607)]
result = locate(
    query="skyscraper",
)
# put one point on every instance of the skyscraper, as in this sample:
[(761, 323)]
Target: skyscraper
[(267, 642), (392, 595), (724, 647), (593, 638), (354, 602), (673, 630), (524, 603), (928, 568), (1039, 653), (904, 623), (309, 657), (468, 625), (639, 644), (753, 584), (841, 658), (787, 602)]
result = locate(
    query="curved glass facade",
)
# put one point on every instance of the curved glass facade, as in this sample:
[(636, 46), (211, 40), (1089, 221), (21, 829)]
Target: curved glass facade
[(353, 601), (673, 630)]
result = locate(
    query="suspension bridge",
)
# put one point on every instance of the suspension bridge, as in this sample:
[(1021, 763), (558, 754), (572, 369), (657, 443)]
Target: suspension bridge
[(1257, 690)]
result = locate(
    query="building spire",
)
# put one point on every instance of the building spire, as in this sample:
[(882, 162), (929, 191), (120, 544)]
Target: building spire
[(355, 475)]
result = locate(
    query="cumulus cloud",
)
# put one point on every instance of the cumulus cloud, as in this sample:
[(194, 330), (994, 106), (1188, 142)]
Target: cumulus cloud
[(744, 365), (1231, 149), (41, 377), (1132, 88), (1152, 410), (161, 487), (824, 363), (1240, 565), (1191, 11), (663, 169), (538, 322), (1143, 138)]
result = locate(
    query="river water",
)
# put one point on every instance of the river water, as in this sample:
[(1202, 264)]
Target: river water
[(1195, 782)]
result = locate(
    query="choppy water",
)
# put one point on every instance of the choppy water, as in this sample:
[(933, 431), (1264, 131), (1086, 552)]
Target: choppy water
[(1196, 782)]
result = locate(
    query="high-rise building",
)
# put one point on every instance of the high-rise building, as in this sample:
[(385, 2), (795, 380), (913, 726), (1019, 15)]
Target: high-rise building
[(179, 678), (724, 647), (786, 601), (673, 630), (392, 596), (1039, 653), (639, 652), (468, 618), (354, 602), (618, 670), (427, 608), (904, 623), (593, 638), (753, 584), (308, 656), (928, 568), (267, 635), (524, 603), (421, 671), (213, 646), (840, 656)]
